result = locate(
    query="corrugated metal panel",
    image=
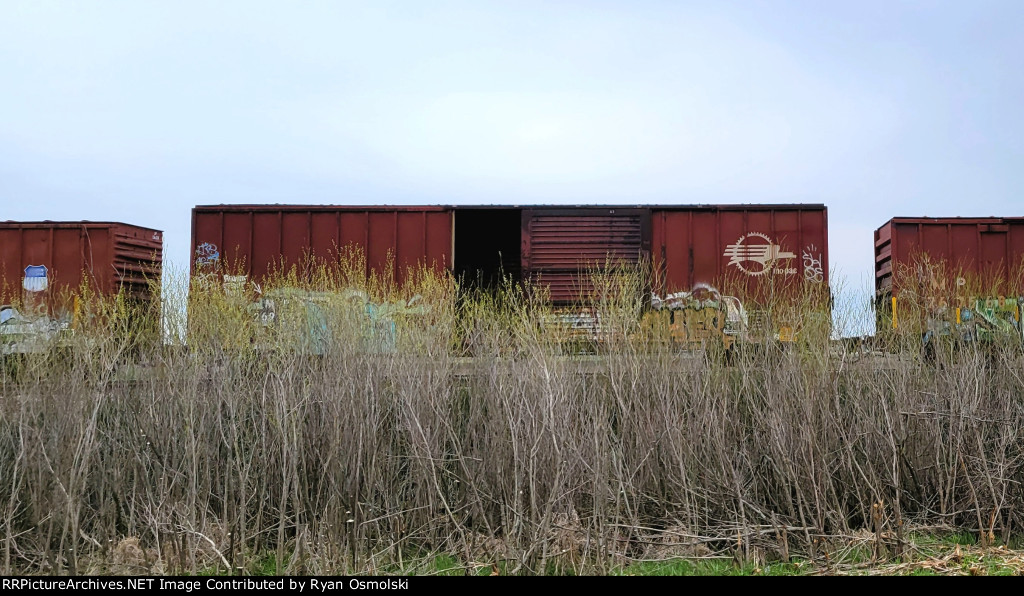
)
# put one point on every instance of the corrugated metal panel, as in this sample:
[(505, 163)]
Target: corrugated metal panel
[(259, 240), (745, 249), (138, 258), (560, 245), (109, 255), (990, 248)]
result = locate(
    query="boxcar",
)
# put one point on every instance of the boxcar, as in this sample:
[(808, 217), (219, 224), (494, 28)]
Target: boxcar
[(753, 252), (51, 258), (949, 275), (686, 245)]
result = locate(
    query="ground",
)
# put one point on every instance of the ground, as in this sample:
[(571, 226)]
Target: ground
[(954, 554)]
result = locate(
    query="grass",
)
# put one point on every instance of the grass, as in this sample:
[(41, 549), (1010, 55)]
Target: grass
[(955, 553), (337, 424), (723, 567)]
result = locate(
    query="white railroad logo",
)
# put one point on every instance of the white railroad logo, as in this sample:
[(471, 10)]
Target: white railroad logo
[(759, 257)]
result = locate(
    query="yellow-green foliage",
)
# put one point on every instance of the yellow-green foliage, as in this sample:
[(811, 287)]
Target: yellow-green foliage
[(192, 434)]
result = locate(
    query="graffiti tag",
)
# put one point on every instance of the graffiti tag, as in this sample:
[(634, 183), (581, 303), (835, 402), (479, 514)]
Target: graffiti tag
[(207, 254), (813, 271)]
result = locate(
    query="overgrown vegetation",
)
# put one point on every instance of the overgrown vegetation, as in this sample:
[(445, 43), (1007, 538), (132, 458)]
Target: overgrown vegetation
[(326, 423)]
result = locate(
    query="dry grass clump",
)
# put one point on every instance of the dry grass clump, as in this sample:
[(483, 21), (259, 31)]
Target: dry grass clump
[(328, 423)]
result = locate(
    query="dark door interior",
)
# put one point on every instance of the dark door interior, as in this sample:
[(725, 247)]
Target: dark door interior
[(487, 245)]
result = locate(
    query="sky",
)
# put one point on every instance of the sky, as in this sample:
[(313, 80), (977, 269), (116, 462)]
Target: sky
[(137, 111)]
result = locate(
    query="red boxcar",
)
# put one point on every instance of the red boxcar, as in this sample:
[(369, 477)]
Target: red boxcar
[(557, 243), (989, 248), (747, 253), (551, 245), (259, 239), (750, 246), (56, 257), (754, 247)]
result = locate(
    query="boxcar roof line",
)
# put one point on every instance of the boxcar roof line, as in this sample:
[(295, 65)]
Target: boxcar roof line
[(46, 223), (300, 207)]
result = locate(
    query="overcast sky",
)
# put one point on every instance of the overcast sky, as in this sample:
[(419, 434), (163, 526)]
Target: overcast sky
[(136, 111)]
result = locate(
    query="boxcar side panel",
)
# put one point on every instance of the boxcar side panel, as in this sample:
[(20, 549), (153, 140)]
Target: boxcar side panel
[(990, 249), (743, 249), (104, 254), (262, 240)]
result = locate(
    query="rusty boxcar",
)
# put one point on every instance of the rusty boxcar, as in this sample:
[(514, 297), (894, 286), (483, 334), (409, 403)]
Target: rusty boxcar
[(52, 258), (960, 277), (258, 240), (756, 246), (988, 247), (552, 245), (955, 273), (750, 252)]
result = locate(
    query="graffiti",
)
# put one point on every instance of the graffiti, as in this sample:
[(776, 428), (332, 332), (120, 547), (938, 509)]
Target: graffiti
[(23, 333), (702, 314), (813, 271), (235, 284), (575, 325), (317, 319), (764, 256), (938, 288), (696, 326), (380, 326), (207, 254), (978, 319)]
